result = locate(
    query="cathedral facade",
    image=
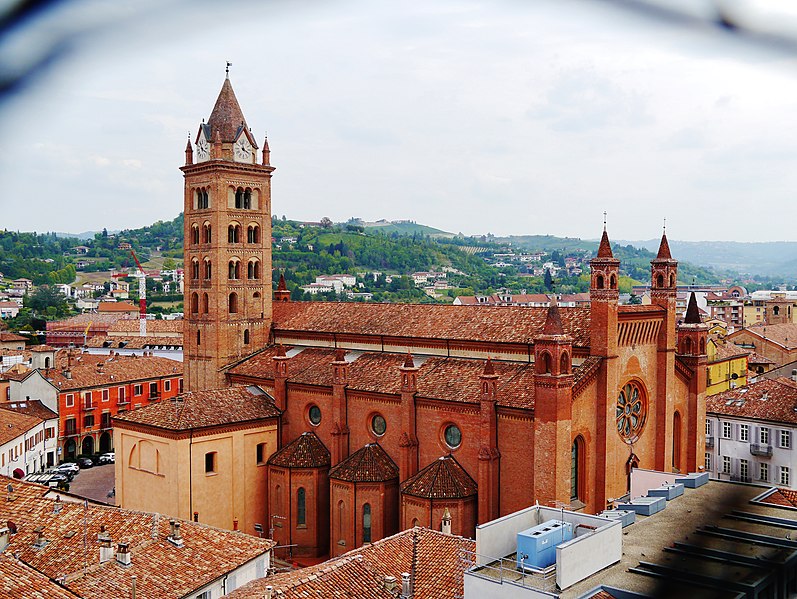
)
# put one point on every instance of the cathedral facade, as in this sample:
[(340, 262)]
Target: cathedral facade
[(394, 415)]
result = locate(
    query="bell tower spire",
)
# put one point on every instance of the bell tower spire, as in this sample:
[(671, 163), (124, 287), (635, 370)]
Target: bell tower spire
[(227, 245)]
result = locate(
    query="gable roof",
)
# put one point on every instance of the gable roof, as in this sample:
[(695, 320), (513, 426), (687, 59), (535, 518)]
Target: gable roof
[(13, 424), (305, 451), (774, 400), (20, 581), (163, 570), (31, 407), (202, 409), (498, 324), (784, 334), (370, 464), (96, 371), (442, 479)]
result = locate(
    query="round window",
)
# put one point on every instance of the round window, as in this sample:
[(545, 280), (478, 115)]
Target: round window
[(378, 425), (314, 415), (453, 436), (630, 412)]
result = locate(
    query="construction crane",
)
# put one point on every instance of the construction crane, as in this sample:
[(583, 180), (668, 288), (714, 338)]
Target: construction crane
[(142, 297)]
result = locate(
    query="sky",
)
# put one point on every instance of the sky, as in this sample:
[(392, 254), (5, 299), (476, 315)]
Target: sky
[(471, 116)]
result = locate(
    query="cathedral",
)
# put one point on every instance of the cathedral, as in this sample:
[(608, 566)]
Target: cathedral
[(394, 415)]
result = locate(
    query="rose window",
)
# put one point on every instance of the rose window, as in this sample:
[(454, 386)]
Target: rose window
[(630, 412)]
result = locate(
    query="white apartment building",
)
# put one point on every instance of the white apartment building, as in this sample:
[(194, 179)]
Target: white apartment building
[(27, 442), (751, 433)]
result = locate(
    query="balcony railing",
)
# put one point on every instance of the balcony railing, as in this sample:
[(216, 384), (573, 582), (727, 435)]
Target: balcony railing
[(761, 450), (709, 442)]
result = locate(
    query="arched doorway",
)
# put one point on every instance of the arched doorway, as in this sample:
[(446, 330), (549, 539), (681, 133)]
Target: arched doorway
[(105, 442), (70, 449), (676, 442), (87, 447)]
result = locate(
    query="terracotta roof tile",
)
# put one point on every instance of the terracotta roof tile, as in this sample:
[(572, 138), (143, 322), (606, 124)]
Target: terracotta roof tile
[(98, 371), (366, 465), (784, 334), (13, 424), (163, 570), (19, 581), (448, 379), (200, 409), (784, 497), (433, 554), (306, 451), (442, 479), (133, 341), (117, 307), (755, 358), (154, 327), (769, 399), (12, 337), (343, 577), (31, 407), (500, 324)]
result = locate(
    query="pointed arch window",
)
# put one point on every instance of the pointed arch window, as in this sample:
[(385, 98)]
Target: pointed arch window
[(660, 281), (234, 233), (612, 282), (194, 268), (564, 363), (599, 281), (239, 198), (247, 199), (206, 233), (367, 523), (208, 269), (194, 234)]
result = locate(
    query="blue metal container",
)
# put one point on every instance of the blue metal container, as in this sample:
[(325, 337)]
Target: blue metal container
[(536, 547)]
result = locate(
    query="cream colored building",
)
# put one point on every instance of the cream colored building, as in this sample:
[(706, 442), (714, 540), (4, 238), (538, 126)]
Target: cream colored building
[(201, 456)]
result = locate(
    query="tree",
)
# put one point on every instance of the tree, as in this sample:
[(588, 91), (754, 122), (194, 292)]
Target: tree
[(47, 300), (548, 279), (326, 222)]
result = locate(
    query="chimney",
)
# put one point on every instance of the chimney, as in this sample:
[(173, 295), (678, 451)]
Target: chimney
[(794, 374), (269, 592), (390, 583), (175, 538), (446, 522), (406, 588), (123, 554), (57, 505), (39, 541), (67, 374), (5, 535), (106, 545), (235, 524)]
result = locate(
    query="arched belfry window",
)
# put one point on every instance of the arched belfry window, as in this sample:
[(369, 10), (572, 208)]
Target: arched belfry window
[(194, 268), (672, 280), (564, 363), (660, 281), (234, 269), (253, 270), (208, 269), (253, 234), (688, 346), (544, 363), (195, 234), (612, 282), (247, 199), (367, 523), (194, 303), (702, 347), (204, 303), (206, 233), (599, 281), (233, 303), (234, 233)]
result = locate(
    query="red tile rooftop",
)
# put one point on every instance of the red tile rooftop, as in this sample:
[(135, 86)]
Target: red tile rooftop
[(774, 400)]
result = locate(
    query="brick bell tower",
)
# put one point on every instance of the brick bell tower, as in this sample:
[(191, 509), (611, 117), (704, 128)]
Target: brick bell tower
[(227, 244), (692, 338), (663, 290)]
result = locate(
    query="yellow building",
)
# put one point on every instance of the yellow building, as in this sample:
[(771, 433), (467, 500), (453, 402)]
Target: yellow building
[(201, 456), (727, 366)]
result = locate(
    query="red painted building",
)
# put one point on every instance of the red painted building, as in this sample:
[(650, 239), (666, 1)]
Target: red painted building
[(92, 389)]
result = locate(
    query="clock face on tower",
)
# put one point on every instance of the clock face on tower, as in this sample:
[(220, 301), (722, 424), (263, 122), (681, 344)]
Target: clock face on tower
[(202, 149), (243, 149)]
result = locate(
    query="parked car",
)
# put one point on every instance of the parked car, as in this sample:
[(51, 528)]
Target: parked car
[(107, 458), (68, 467), (85, 462)]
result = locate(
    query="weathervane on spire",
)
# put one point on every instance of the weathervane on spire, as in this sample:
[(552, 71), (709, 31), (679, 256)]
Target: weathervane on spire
[(665, 224), (227, 70), (604, 220)]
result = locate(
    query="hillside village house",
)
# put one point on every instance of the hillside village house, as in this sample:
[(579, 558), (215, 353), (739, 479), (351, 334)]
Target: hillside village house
[(387, 390)]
